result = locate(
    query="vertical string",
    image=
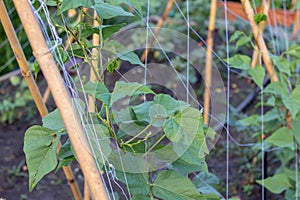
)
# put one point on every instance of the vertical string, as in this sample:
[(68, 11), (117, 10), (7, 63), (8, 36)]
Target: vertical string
[(228, 101), (147, 44), (187, 51)]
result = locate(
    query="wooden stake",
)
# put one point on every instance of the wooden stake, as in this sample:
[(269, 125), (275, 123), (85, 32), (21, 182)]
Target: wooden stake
[(158, 27), (265, 10), (62, 99), (21, 59), (296, 24), (208, 64), (260, 41)]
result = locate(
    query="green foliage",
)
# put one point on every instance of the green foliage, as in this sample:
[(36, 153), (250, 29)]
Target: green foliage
[(181, 125), (260, 17), (166, 186), (123, 126), (12, 102), (243, 62), (281, 121), (40, 149)]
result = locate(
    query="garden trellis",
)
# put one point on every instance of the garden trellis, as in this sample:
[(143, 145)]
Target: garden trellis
[(96, 144)]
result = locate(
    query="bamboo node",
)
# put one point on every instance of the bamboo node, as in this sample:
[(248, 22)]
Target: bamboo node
[(38, 55), (26, 73)]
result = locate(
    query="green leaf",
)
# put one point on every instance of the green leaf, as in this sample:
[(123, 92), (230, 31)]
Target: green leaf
[(131, 57), (185, 168), (140, 197), (243, 40), (40, 151), (123, 89), (282, 64), (107, 11), (258, 74), (65, 162), (65, 150), (99, 91), (260, 17), (195, 152), (134, 3), (51, 3), (109, 30), (277, 88), (112, 65), (138, 183), (240, 62), (236, 35), (53, 121), (171, 185), (277, 183), (294, 50), (99, 140), (69, 4), (183, 126), (170, 104), (282, 137), (205, 182), (251, 120), (15, 80), (295, 128), (293, 104)]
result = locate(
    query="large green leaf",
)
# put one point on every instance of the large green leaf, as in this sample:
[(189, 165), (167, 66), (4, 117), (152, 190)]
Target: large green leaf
[(138, 183), (109, 30), (258, 74), (251, 120), (53, 121), (260, 17), (107, 11), (118, 50), (183, 126), (40, 151), (282, 64), (205, 182), (123, 89), (292, 103), (277, 183), (134, 3), (277, 88), (170, 104), (295, 128), (294, 50), (69, 4), (131, 57), (282, 137), (86, 30), (99, 140), (240, 62), (99, 91), (140, 197), (195, 152), (185, 168), (171, 185)]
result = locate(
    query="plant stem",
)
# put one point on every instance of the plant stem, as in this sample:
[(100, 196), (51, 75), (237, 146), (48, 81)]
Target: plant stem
[(156, 143), (140, 133)]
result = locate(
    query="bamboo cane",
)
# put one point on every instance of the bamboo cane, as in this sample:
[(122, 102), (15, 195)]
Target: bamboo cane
[(93, 78), (62, 99), (208, 64), (68, 42), (21, 59), (158, 27), (260, 41), (296, 24), (265, 10)]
